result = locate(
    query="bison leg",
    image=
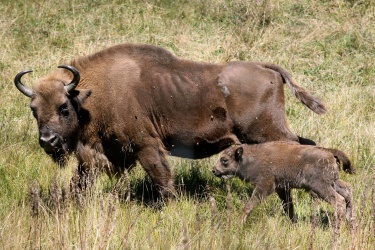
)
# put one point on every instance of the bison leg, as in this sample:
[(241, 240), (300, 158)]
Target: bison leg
[(82, 179), (261, 191), (286, 200), (153, 161), (345, 191)]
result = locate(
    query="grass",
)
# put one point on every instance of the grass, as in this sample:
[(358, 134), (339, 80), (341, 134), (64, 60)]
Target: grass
[(329, 48)]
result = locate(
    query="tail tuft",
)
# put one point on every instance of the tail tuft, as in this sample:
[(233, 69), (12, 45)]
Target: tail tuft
[(312, 102), (344, 159)]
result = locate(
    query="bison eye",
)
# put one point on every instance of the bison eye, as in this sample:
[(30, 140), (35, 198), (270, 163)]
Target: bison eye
[(64, 110), (224, 161)]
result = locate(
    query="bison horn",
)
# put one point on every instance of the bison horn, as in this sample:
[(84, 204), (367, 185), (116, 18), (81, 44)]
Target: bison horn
[(22, 88), (76, 77)]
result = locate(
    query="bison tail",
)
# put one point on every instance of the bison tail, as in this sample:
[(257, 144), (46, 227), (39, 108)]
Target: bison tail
[(310, 101), (344, 159)]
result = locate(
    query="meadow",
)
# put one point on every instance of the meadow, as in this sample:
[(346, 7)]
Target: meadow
[(327, 46)]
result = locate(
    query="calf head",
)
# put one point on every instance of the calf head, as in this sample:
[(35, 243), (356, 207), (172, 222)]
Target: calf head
[(55, 104), (229, 161)]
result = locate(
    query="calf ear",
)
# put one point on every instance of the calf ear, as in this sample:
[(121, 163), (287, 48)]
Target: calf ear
[(238, 153)]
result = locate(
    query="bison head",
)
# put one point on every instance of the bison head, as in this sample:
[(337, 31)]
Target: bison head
[(56, 104)]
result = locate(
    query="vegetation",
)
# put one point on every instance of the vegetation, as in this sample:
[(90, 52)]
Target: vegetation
[(328, 46)]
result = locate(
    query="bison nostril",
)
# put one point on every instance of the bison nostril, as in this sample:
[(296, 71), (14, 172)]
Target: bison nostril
[(42, 141), (48, 141), (54, 140)]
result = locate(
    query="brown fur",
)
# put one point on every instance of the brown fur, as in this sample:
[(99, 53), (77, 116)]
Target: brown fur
[(140, 102), (280, 166)]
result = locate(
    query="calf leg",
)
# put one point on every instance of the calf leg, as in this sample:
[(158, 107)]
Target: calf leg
[(286, 200), (261, 191), (345, 191), (153, 161), (328, 194)]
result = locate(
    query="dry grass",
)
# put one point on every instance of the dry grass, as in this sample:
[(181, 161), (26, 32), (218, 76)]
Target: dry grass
[(329, 48)]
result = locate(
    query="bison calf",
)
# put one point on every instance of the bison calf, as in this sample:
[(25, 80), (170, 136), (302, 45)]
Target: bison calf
[(280, 166)]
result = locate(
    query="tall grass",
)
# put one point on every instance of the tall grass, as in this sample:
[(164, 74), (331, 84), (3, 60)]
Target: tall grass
[(328, 46)]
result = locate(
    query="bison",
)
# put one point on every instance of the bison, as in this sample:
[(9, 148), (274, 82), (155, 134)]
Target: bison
[(280, 166), (133, 102)]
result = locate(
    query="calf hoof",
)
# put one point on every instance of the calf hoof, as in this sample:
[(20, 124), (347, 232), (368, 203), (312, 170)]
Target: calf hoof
[(293, 219), (243, 220)]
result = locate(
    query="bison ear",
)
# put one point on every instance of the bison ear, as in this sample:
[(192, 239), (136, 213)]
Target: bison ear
[(238, 154), (80, 96), (83, 95)]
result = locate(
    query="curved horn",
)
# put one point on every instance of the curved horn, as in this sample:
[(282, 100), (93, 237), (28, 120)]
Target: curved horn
[(22, 88), (76, 77)]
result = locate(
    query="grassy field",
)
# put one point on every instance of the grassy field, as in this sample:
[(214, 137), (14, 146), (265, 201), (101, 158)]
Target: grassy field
[(328, 46)]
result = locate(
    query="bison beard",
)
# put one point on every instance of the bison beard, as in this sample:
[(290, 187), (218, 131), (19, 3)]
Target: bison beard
[(146, 104)]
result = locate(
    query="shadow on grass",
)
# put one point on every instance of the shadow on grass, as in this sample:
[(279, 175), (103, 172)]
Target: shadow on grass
[(195, 183), (192, 183)]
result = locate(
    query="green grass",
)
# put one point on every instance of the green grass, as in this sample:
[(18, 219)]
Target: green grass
[(328, 46)]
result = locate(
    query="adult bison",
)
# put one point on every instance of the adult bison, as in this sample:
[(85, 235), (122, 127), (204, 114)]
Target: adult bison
[(139, 102)]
